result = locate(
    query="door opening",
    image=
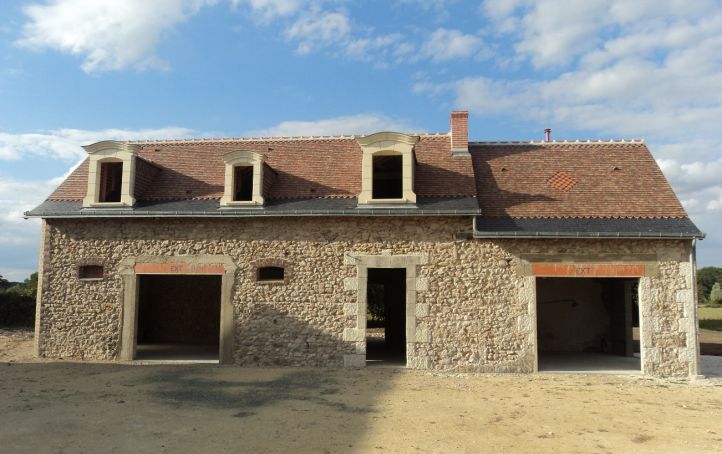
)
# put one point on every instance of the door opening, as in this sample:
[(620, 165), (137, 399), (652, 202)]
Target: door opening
[(178, 317), (386, 316), (586, 324)]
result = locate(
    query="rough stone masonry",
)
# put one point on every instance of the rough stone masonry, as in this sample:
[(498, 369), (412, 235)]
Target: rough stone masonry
[(470, 304)]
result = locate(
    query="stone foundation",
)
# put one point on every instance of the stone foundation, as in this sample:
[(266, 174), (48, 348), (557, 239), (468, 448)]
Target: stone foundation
[(474, 302)]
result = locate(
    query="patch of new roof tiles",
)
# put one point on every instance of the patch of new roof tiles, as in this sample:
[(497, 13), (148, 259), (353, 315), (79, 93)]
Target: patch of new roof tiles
[(562, 181)]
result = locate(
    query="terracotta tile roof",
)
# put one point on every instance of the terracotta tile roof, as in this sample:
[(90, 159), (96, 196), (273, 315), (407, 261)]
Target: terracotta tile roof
[(75, 186), (571, 180), (605, 179), (328, 167)]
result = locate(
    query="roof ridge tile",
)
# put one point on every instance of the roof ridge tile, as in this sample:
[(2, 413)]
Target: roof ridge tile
[(559, 142), (200, 140)]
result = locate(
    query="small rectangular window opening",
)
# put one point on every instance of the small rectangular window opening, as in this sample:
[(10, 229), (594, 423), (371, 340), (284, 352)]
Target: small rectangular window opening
[(270, 273), (243, 183), (387, 177), (111, 178), (90, 272)]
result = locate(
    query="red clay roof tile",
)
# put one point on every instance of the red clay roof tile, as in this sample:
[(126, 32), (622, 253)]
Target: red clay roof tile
[(323, 167), (604, 179), (517, 180)]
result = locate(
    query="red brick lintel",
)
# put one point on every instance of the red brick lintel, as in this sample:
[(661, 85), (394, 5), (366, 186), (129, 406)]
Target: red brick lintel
[(587, 270), (179, 268)]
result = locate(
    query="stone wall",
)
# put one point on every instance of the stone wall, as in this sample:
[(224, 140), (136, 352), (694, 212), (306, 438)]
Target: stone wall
[(474, 307)]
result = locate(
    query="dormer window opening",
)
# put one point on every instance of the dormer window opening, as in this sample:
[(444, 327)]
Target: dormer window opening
[(111, 179), (243, 183), (387, 177)]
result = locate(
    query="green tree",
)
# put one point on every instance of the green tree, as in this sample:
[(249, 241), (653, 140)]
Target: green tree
[(715, 295), (30, 286), (375, 301), (706, 278), (17, 301)]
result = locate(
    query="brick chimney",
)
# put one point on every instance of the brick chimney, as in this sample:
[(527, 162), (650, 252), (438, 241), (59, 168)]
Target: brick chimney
[(460, 133)]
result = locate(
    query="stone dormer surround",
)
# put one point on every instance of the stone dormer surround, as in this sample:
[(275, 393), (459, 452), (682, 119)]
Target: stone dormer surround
[(111, 151), (243, 158), (387, 144)]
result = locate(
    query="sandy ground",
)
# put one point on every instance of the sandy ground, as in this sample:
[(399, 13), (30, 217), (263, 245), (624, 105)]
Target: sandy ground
[(64, 407)]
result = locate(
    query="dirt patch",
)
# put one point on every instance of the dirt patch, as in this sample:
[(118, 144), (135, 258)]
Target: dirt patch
[(16, 344), (66, 407), (86, 407)]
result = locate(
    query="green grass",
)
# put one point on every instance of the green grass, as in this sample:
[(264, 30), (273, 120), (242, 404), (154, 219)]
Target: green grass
[(710, 318)]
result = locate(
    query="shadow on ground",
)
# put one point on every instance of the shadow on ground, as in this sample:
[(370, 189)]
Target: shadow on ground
[(245, 398), (71, 407)]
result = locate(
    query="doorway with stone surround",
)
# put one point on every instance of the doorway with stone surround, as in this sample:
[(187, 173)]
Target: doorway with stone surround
[(386, 321), (415, 330), (198, 287), (178, 317)]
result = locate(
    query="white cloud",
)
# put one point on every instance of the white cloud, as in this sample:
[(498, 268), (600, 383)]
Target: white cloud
[(65, 144), (112, 35), (318, 29), (392, 47), (554, 32), (272, 9), (344, 125), (656, 76), (19, 238), (444, 44), (649, 69), (439, 8), (107, 34)]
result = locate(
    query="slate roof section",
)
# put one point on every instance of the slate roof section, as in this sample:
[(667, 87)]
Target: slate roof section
[(612, 180), (425, 206), (585, 228)]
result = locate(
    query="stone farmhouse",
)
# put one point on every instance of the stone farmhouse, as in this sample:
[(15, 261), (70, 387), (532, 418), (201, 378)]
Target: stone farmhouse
[(483, 256)]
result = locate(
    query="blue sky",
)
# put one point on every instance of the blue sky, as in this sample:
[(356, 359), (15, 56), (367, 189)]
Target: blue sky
[(73, 72)]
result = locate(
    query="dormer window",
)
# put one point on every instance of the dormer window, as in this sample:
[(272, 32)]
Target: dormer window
[(244, 179), (387, 169), (243, 183), (111, 179), (111, 174)]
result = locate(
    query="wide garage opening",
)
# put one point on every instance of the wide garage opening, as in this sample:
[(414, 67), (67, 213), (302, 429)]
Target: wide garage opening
[(586, 324), (386, 318), (178, 317)]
